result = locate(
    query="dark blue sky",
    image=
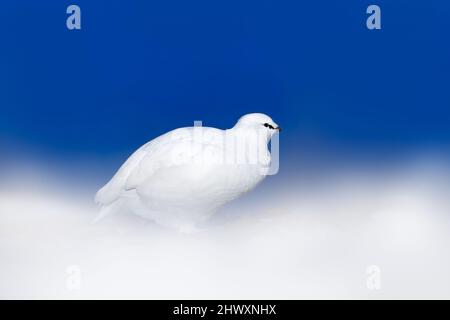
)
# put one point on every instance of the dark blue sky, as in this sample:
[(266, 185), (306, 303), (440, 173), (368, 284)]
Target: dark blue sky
[(140, 68)]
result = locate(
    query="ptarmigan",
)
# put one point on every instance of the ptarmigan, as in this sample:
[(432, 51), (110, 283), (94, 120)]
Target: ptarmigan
[(182, 177)]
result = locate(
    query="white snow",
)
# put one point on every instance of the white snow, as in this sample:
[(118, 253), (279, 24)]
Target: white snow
[(309, 239)]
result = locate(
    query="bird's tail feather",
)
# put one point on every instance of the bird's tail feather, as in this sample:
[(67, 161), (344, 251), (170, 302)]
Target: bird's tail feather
[(104, 212)]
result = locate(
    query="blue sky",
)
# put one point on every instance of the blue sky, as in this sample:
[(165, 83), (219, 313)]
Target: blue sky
[(140, 68)]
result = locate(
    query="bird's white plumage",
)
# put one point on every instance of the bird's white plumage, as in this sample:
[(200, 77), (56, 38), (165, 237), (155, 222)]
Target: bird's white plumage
[(182, 177)]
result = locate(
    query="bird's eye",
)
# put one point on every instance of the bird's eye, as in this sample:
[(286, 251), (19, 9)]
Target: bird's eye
[(266, 124)]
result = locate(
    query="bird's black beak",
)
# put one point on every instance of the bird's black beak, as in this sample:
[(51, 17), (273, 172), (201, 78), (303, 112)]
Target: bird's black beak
[(278, 128)]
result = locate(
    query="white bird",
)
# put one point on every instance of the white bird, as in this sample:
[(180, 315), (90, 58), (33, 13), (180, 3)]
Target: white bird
[(182, 177)]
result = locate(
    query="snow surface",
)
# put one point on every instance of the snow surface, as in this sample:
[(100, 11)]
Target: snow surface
[(312, 238)]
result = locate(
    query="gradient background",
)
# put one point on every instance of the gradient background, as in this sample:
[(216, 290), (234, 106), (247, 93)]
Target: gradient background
[(75, 104), (140, 68)]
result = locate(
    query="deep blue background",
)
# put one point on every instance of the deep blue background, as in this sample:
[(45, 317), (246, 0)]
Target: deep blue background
[(140, 68)]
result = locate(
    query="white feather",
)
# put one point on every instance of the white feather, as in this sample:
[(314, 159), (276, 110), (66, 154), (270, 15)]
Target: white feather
[(181, 178)]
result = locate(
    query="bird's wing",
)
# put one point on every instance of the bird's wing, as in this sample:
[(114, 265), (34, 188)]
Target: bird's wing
[(174, 148)]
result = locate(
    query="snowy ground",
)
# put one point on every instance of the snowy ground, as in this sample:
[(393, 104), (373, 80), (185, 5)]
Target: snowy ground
[(364, 234)]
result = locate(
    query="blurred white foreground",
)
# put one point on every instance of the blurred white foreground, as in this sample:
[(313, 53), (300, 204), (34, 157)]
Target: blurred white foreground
[(309, 239)]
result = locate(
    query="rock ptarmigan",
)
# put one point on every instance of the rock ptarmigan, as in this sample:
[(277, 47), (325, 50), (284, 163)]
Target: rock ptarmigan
[(182, 177)]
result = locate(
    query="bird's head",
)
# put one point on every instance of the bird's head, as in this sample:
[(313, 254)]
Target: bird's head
[(258, 121)]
